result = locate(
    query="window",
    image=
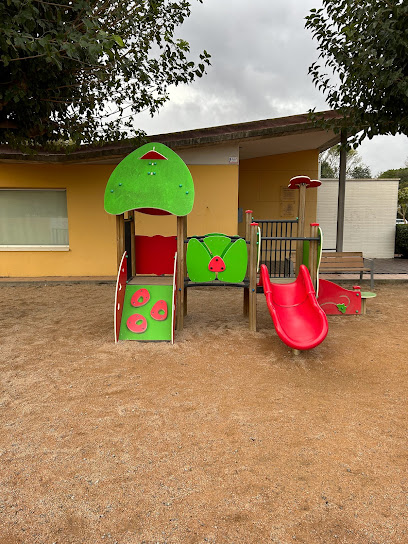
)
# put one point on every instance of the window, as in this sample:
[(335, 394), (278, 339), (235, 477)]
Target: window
[(33, 219)]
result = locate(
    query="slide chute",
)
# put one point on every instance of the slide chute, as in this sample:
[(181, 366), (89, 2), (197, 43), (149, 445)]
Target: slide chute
[(299, 320)]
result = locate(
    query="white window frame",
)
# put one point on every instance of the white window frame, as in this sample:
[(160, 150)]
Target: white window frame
[(34, 247)]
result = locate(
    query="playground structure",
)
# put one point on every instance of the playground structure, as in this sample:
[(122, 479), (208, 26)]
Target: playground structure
[(155, 181), (151, 292)]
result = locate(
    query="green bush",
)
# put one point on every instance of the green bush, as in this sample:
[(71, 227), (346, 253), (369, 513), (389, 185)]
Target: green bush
[(401, 240)]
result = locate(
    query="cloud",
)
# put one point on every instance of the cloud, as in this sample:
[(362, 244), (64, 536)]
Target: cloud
[(260, 57), (384, 153), (261, 53)]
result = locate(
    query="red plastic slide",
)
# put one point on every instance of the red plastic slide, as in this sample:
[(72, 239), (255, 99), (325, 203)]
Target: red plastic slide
[(296, 314)]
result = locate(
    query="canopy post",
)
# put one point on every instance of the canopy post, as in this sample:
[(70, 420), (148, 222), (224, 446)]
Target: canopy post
[(342, 192)]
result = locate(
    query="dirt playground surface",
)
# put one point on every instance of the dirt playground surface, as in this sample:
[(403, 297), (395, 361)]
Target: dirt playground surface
[(225, 437)]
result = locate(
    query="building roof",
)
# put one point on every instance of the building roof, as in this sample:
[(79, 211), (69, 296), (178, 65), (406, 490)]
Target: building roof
[(254, 138)]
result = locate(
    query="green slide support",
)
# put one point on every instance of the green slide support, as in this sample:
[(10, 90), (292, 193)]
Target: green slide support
[(306, 251)]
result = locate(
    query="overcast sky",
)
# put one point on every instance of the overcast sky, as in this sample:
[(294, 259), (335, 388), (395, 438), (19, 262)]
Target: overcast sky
[(260, 57)]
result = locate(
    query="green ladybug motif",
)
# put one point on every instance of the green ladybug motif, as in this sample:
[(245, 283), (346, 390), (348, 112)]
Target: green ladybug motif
[(217, 257)]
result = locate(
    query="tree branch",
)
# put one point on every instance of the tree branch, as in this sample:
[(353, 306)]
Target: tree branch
[(53, 4), (25, 58)]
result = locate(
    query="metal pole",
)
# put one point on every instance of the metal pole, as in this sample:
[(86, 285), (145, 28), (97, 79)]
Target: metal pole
[(342, 192)]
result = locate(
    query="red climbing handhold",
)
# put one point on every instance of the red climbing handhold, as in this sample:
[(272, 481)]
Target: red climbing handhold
[(140, 298), (216, 264), (136, 323), (159, 310)]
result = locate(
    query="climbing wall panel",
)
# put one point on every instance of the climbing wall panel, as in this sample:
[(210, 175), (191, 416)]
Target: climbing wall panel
[(149, 318)]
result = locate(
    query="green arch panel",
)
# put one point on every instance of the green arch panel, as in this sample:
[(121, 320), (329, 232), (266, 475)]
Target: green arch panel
[(163, 184)]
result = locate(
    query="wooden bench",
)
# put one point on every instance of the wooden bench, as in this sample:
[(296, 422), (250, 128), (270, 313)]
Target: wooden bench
[(347, 261)]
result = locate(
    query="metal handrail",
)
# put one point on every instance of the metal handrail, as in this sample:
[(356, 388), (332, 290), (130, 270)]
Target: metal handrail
[(296, 238), (277, 245)]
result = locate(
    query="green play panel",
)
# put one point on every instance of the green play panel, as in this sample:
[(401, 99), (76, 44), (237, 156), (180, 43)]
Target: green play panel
[(155, 330), (200, 256)]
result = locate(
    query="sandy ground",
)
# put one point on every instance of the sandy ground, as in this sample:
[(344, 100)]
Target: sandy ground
[(225, 437)]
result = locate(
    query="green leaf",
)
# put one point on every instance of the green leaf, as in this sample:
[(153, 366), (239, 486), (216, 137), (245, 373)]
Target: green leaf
[(198, 259), (236, 262), (217, 244), (118, 40)]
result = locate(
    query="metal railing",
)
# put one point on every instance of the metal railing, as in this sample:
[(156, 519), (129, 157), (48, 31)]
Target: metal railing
[(278, 245)]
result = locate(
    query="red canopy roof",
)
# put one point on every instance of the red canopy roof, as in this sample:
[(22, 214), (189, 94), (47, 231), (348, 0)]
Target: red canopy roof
[(297, 181)]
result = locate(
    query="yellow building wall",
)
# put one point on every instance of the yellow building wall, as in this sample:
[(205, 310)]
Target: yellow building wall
[(263, 182), (92, 232), (215, 204)]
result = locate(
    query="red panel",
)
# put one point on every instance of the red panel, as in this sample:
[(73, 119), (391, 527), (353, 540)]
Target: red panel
[(152, 211), (154, 155), (155, 254), (173, 313), (336, 300), (120, 294)]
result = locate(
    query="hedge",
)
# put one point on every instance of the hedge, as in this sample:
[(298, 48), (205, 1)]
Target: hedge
[(401, 240)]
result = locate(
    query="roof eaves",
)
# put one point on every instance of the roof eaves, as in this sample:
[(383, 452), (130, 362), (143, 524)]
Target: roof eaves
[(252, 130)]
